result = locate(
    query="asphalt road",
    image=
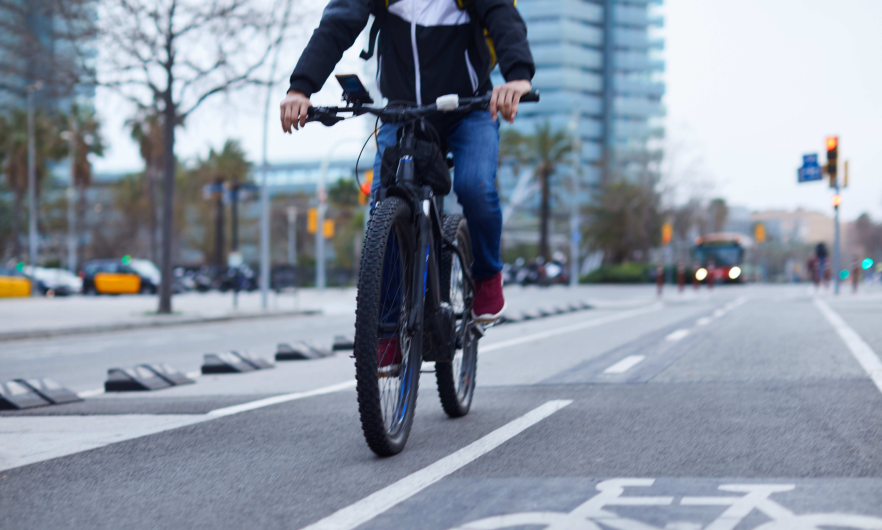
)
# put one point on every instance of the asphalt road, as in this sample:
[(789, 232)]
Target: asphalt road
[(746, 407)]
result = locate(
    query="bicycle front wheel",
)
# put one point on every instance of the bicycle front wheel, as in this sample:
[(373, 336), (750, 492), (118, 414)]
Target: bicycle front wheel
[(387, 349)]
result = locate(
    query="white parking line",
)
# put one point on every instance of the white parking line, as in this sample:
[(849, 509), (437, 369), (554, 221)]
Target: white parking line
[(377, 503), (569, 329), (677, 335), (860, 349), (625, 364)]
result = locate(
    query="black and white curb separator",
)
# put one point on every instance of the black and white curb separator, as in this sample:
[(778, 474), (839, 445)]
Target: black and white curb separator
[(232, 362), (28, 393), (343, 343), (300, 351), (144, 377)]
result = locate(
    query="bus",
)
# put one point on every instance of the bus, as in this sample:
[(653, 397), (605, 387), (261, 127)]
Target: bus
[(722, 257)]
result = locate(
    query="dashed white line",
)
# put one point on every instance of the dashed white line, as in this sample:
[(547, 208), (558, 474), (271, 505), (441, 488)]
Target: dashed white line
[(568, 329), (377, 503), (719, 312), (677, 335), (860, 349), (703, 321), (90, 393), (625, 364)]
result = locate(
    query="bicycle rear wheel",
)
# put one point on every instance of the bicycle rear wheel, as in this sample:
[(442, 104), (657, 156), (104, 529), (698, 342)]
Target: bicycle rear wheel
[(387, 355), (456, 379)]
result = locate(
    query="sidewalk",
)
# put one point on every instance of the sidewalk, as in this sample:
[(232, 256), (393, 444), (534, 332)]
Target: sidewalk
[(22, 318)]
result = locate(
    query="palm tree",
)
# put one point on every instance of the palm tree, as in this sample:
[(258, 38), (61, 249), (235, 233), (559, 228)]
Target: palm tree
[(147, 130), (15, 146), (84, 125), (545, 150)]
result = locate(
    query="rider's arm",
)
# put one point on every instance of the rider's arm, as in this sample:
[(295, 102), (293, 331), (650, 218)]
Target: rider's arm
[(342, 22), (509, 34)]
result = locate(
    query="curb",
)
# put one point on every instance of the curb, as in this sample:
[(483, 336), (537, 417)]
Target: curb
[(86, 330)]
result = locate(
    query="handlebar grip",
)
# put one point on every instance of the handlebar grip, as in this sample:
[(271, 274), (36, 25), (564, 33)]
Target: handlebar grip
[(532, 97)]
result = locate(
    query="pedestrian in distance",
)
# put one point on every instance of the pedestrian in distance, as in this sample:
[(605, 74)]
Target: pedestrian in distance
[(660, 278), (681, 276)]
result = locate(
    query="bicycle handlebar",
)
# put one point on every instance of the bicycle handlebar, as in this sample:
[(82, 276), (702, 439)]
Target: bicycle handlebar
[(328, 116)]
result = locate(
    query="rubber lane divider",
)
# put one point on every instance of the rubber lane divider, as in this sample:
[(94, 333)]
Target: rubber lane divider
[(224, 363), (862, 351), (300, 351), (373, 505), (50, 390), (144, 377), (16, 396), (569, 329), (343, 343)]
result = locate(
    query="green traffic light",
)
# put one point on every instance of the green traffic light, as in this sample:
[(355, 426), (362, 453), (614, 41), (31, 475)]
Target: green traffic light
[(19, 266), (867, 263), (843, 275), (126, 259)]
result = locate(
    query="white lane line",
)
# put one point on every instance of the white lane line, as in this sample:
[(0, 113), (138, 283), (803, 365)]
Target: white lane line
[(30, 439), (677, 335), (719, 312), (625, 364), (569, 329), (377, 503), (90, 393), (260, 403), (860, 349), (703, 321)]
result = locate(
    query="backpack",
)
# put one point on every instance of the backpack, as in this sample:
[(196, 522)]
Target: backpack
[(464, 5)]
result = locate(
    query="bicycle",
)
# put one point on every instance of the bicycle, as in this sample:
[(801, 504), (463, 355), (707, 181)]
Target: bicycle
[(415, 290)]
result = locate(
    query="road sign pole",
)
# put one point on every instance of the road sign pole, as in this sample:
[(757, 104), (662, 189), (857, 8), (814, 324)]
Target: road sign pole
[(836, 261)]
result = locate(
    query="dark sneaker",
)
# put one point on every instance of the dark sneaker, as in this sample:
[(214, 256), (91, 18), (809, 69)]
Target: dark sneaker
[(489, 303), (388, 356)]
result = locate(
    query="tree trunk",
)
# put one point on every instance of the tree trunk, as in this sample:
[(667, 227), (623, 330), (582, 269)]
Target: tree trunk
[(152, 173), (219, 228), (544, 215), (81, 226), (168, 194), (16, 225)]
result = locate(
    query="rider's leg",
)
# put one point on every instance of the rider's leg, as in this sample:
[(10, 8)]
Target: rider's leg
[(474, 142)]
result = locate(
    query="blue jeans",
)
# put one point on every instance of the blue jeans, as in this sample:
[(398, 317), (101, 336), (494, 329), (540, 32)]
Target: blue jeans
[(474, 142)]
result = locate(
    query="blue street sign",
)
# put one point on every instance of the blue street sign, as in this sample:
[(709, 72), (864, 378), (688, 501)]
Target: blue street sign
[(810, 170)]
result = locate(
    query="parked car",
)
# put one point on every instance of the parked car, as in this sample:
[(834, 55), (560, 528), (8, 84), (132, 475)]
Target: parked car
[(54, 282), (117, 276), (13, 283)]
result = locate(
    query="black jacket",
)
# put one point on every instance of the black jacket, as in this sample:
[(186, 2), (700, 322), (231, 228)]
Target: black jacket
[(447, 46)]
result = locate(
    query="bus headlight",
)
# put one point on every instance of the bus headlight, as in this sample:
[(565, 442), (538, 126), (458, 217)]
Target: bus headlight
[(734, 272), (701, 274)]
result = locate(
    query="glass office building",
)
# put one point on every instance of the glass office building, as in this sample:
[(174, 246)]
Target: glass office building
[(599, 69)]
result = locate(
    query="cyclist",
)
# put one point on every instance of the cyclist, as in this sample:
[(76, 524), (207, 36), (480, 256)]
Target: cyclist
[(426, 49)]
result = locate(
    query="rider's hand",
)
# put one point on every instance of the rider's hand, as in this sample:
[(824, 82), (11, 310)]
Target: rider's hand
[(506, 97), (294, 108)]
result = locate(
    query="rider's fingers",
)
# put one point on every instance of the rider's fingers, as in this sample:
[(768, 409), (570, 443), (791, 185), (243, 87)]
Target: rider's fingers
[(283, 110), (516, 98), (493, 107), (506, 104), (304, 109)]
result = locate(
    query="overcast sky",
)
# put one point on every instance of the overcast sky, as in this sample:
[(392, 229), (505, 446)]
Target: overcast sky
[(752, 86)]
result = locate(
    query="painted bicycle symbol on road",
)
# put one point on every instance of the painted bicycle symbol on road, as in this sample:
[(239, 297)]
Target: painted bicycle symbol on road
[(592, 514)]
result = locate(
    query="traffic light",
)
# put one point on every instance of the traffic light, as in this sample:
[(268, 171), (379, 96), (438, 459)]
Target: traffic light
[(312, 220), (365, 190), (837, 200), (329, 228), (759, 233), (667, 233), (832, 152)]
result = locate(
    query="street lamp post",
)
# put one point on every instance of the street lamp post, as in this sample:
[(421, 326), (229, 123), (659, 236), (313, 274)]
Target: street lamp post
[(575, 233)]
